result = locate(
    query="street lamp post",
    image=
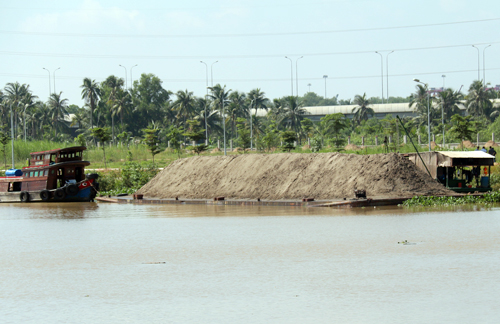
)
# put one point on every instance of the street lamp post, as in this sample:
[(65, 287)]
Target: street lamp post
[(325, 77), (381, 73), (54, 75), (126, 76), (428, 112), (224, 113), (212, 73), (206, 96), (291, 72), (254, 103), (12, 135), (484, 69), (309, 85), (478, 76), (387, 74), (131, 79), (442, 110), (50, 89), (297, 76)]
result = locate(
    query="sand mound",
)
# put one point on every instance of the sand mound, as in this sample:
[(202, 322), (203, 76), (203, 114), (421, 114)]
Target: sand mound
[(433, 145), (490, 143), (306, 147), (468, 144), (291, 176), (215, 150), (352, 147)]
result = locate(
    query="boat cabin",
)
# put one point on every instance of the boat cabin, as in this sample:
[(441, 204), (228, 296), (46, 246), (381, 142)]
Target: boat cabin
[(467, 171), (48, 170)]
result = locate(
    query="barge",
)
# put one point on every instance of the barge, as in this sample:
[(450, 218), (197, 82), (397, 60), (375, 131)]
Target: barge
[(51, 176)]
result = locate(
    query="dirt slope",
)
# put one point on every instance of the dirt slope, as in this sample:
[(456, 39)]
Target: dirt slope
[(291, 176)]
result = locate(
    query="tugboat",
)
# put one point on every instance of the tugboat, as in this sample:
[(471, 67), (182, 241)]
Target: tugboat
[(51, 176)]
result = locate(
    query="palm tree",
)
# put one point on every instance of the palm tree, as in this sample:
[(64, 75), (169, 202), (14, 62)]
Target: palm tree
[(478, 100), (15, 94), (122, 103), (363, 109), (91, 93), (58, 108), (294, 112), (449, 102), (220, 98), (236, 108), (419, 101), (258, 99), (114, 84), (185, 104)]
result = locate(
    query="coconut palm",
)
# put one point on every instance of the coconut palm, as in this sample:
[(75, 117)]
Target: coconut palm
[(363, 110), (58, 108), (220, 98), (258, 100), (185, 105), (478, 100), (419, 101), (449, 102), (91, 93), (237, 108), (122, 103), (294, 112), (114, 84)]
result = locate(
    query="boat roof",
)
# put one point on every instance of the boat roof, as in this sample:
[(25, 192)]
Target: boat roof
[(64, 150), (466, 154)]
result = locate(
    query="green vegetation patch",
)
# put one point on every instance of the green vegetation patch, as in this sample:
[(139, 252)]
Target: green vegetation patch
[(488, 198)]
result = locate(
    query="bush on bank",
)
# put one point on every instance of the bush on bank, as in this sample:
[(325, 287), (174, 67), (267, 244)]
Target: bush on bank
[(127, 180), (488, 198)]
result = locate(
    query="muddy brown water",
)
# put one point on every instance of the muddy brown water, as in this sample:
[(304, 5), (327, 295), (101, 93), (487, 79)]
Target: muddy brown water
[(112, 263)]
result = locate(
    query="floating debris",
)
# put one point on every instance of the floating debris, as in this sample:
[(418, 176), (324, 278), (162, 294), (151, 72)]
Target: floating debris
[(160, 262), (405, 242)]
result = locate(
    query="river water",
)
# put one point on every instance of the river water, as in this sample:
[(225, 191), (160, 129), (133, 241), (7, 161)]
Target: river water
[(111, 263)]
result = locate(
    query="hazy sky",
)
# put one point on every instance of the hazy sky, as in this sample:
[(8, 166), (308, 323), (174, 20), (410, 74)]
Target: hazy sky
[(250, 40)]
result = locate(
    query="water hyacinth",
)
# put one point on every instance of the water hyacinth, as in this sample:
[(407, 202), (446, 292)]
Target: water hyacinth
[(488, 198)]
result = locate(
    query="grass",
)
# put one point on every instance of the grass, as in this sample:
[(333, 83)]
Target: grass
[(486, 199)]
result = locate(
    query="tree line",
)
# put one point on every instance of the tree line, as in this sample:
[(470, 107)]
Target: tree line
[(128, 114)]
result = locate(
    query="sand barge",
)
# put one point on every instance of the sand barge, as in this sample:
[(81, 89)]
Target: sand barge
[(291, 176)]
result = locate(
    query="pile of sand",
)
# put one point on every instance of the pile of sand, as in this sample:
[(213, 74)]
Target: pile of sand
[(306, 147), (352, 147), (490, 143), (291, 176), (468, 144)]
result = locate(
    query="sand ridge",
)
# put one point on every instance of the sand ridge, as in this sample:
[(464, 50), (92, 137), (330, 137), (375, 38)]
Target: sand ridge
[(321, 176)]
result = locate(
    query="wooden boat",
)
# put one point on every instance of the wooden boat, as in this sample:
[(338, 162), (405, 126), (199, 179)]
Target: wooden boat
[(51, 176)]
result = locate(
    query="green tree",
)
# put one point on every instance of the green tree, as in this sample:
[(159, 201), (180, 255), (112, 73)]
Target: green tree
[(271, 137), (91, 93), (152, 141), (307, 127), (332, 125), (58, 109), (196, 134), (103, 135), (478, 100), (243, 134), (4, 140), (363, 109), (294, 113), (185, 105), (288, 138), (174, 136), (462, 129)]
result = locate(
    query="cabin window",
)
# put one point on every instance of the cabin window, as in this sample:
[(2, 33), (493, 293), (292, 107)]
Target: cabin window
[(46, 173), (36, 173), (47, 156), (31, 173), (52, 171)]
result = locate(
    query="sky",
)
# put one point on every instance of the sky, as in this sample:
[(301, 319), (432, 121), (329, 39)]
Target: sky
[(249, 41)]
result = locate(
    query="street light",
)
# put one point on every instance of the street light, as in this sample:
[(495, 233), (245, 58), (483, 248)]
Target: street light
[(484, 70), (12, 134), (478, 76), (291, 72), (443, 76), (387, 73), (309, 85), (381, 73), (212, 73), (131, 79), (50, 89), (126, 76), (206, 128), (325, 77), (54, 75), (297, 75), (428, 112)]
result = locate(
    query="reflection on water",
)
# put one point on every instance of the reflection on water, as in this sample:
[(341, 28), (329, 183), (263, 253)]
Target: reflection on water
[(110, 263)]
